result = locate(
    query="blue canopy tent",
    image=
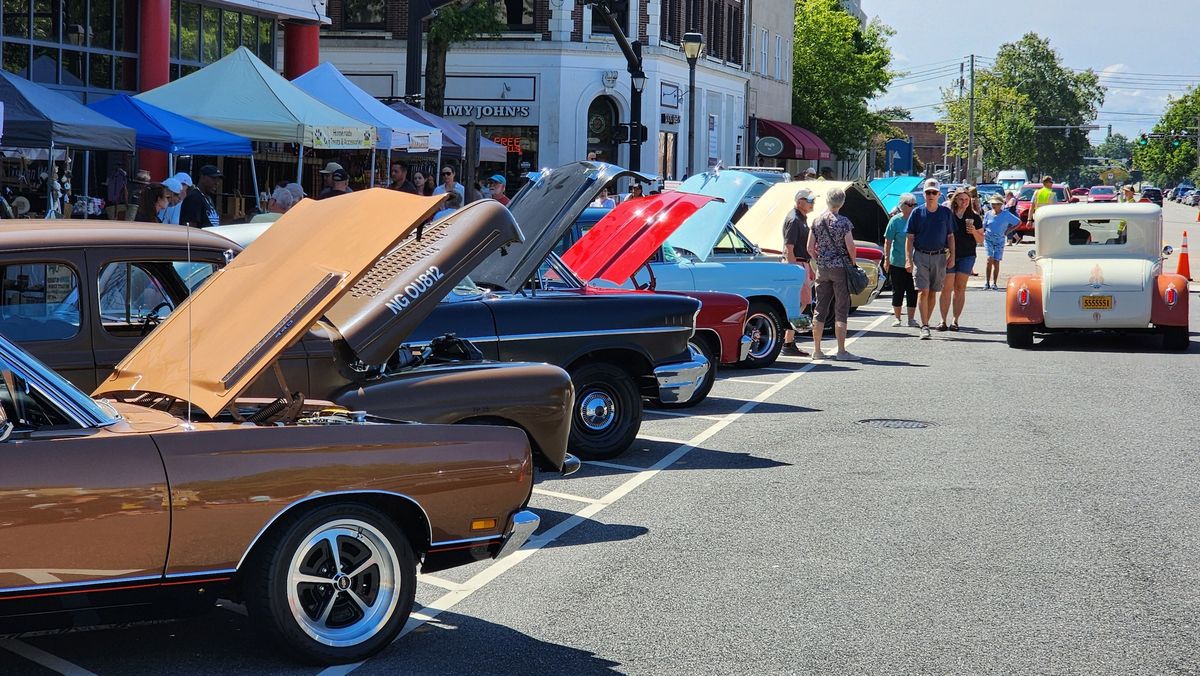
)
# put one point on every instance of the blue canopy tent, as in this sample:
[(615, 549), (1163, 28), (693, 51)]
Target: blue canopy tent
[(160, 129), (889, 190)]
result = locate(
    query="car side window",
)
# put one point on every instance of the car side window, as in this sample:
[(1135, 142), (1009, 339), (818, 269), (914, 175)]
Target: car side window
[(26, 408), (731, 243), (136, 295), (40, 301)]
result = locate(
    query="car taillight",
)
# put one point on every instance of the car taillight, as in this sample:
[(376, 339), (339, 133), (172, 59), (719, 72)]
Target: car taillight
[(1171, 295), (1023, 296)]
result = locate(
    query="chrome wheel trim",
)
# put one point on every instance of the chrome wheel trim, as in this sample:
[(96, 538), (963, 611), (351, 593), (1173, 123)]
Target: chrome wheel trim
[(597, 410), (363, 587), (763, 334)]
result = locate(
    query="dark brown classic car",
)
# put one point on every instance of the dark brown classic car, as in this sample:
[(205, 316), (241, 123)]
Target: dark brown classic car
[(178, 489), (81, 295)]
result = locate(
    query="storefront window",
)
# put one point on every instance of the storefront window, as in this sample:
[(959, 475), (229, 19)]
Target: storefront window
[(364, 14), (601, 120), (250, 32), (100, 67), (522, 145), (44, 26), (667, 147), (16, 57), (189, 31), (45, 65), (266, 40), (229, 32), (212, 34), (101, 33)]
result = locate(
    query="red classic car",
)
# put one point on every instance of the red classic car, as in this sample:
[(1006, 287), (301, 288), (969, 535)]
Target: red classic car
[(1062, 195), (1100, 193)]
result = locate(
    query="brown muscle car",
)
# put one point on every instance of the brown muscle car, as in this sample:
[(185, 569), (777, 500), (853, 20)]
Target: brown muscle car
[(178, 489), (80, 295)]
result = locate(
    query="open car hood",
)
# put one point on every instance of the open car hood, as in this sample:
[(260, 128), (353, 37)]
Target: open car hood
[(763, 222), (361, 260), (545, 209), (700, 233), (620, 243)]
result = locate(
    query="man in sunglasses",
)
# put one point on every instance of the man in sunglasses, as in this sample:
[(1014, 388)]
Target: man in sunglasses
[(929, 249), (795, 251), (448, 184)]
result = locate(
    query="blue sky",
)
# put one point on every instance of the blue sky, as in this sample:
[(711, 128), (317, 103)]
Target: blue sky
[(1144, 51)]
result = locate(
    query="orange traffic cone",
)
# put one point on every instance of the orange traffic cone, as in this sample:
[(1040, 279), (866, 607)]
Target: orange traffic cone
[(1185, 266)]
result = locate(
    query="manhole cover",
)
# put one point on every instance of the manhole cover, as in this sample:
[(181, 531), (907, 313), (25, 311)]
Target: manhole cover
[(896, 423)]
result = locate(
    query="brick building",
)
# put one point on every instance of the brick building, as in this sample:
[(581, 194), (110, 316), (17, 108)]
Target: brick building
[(929, 145)]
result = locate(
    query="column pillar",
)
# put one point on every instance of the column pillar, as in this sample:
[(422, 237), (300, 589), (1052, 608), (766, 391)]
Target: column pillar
[(301, 48), (154, 67)]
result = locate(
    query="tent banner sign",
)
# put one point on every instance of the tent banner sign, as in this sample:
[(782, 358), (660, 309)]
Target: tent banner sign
[(343, 137), (418, 143)]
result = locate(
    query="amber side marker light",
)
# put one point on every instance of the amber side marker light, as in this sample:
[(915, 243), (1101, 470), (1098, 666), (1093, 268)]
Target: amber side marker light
[(483, 524)]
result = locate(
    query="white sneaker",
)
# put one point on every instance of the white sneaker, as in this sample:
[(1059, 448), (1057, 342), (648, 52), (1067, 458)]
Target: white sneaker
[(897, 322), (846, 356), (925, 335)]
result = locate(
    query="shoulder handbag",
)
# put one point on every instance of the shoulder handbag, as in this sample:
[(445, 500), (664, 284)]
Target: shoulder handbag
[(856, 278)]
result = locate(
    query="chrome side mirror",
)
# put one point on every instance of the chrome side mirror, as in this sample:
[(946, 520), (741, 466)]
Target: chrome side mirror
[(1032, 255), (1168, 250)]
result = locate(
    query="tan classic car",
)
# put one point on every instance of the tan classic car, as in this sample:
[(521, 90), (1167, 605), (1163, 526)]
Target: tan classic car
[(177, 489)]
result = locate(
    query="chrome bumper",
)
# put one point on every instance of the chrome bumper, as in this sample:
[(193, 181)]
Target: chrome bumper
[(571, 465), (744, 347), (524, 523), (678, 382)]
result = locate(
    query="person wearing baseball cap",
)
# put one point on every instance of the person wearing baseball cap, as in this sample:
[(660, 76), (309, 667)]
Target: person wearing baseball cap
[(339, 184), (497, 183), (199, 207), (795, 251), (929, 249), (998, 224)]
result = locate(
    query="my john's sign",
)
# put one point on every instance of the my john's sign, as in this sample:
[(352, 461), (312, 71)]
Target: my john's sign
[(479, 112), (491, 97)]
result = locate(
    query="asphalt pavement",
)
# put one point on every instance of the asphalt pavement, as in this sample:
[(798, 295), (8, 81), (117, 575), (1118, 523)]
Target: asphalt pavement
[(1044, 521)]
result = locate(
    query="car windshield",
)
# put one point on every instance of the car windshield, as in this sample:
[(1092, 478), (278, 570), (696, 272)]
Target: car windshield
[(23, 376), (1096, 232), (1104, 190), (1060, 194)]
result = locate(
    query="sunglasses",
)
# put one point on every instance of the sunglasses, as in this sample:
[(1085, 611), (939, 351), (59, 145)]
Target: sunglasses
[(447, 173), (933, 192)]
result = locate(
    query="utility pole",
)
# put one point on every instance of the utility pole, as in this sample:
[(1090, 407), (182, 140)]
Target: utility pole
[(958, 160), (971, 125)]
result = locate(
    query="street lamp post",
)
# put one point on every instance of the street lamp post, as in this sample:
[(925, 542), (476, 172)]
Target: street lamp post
[(637, 81), (693, 47)]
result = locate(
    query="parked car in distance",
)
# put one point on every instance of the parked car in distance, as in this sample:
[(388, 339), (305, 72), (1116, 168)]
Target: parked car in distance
[(1099, 193), (1189, 198), (1152, 194), (1099, 267), (986, 190), (178, 490), (1012, 179), (1062, 195), (84, 294)]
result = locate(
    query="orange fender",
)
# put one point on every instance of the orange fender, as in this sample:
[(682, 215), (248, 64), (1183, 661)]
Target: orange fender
[(1162, 314), (1031, 312)]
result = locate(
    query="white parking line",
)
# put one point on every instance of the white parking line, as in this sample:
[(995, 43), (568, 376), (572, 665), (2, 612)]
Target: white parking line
[(748, 380), (661, 440), (564, 496), (480, 580), (613, 465), (676, 414), (440, 582), (39, 656)]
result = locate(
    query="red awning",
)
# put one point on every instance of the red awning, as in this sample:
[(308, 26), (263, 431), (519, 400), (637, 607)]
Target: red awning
[(798, 142)]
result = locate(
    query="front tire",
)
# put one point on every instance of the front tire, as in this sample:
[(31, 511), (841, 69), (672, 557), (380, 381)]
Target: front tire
[(765, 327), (1176, 338), (607, 413), (704, 347), (1020, 336), (335, 586)]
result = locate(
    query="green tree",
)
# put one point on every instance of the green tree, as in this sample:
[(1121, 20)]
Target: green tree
[(1161, 161), (1004, 119), (454, 23), (1115, 147), (1027, 86), (837, 66)]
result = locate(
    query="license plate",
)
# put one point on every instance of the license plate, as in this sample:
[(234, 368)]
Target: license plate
[(1096, 302)]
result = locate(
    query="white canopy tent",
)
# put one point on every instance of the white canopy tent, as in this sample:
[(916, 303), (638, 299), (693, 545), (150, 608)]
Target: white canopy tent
[(242, 95)]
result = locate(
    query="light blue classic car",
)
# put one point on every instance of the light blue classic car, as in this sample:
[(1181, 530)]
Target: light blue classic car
[(707, 253)]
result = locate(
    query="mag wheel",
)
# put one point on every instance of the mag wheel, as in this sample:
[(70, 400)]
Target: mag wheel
[(336, 585), (765, 327), (1020, 335)]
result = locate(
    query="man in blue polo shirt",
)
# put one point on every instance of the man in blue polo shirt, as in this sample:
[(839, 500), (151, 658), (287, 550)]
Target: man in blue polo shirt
[(929, 248)]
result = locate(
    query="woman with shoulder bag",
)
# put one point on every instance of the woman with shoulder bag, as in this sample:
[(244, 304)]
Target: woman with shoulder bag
[(831, 249)]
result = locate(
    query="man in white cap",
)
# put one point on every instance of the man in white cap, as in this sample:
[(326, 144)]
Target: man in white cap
[(327, 177), (795, 251), (171, 214), (929, 249), (175, 187)]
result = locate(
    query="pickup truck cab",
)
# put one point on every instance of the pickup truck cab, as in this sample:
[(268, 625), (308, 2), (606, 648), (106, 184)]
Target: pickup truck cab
[(1099, 267)]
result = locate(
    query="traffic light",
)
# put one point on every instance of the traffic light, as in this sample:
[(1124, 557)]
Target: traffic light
[(1176, 142), (621, 133), (1142, 140)]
